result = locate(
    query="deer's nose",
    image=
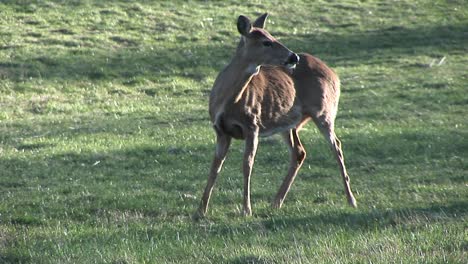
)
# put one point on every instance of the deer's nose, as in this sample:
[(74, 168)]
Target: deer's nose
[(293, 59)]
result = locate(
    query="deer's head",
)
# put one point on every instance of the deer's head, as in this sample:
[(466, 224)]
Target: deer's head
[(259, 47)]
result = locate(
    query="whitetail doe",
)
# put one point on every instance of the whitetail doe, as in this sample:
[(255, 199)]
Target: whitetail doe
[(268, 89)]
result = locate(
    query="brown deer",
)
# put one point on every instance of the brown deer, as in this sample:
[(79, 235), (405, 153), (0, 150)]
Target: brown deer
[(268, 89)]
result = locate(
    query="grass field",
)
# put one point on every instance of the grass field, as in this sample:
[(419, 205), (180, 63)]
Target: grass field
[(105, 142)]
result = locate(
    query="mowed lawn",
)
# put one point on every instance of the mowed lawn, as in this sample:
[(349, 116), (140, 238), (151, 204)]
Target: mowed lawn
[(105, 141)]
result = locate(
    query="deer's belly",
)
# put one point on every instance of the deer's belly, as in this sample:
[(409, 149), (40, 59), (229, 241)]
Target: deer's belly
[(274, 130), (278, 124)]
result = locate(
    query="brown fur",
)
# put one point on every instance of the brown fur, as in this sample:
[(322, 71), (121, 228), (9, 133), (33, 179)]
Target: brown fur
[(247, 102), (268, 101)]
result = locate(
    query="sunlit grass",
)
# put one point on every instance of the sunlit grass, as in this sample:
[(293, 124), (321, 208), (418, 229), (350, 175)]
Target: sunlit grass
[(105, 141)]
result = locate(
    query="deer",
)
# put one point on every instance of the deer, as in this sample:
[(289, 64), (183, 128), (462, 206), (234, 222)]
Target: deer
[(268, 89)]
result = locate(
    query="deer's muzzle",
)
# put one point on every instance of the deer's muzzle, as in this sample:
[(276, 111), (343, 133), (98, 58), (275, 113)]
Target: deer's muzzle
[(292, 60)]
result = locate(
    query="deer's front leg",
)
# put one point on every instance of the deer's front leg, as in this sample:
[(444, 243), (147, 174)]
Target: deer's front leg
[(251, 143), (222, 145)]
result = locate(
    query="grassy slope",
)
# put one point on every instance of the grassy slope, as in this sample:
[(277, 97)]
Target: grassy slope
[(105, 141)]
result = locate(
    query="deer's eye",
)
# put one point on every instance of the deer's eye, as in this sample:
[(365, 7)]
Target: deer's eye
[(267, 43)]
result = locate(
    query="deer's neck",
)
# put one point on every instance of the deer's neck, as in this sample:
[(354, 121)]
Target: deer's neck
[(236, 78)]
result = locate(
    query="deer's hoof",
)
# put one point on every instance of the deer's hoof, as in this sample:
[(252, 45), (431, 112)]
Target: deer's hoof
[(247, 212), (277, 204), (352, 202), (198, 215)]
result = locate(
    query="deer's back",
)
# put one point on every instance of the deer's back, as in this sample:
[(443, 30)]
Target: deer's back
[(276, 100), (317, 86)]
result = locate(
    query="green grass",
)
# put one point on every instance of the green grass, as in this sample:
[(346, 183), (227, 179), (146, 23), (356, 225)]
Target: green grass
[(105, 141)]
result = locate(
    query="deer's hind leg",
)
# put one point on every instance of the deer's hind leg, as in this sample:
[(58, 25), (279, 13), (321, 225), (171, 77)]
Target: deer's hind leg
[(298, 155), (326, 126)]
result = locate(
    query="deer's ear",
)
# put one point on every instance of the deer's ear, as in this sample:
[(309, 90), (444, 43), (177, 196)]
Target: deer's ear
[(260, 21), (243, 25)]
